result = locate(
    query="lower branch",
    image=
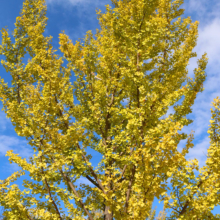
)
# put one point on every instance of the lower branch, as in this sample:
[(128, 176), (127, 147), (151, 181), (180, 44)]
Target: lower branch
[(188, 201), (76, 193), (129, 189)]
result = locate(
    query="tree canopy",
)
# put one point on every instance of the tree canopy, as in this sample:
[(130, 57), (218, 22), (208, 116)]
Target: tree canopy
[(126, 78)]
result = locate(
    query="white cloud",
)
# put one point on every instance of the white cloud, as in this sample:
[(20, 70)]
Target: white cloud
[(208, 41), (203, 10), (4, 122), (207, 13), (66, 2), (82, 3), (199, 151), (13, 143), (84, 12), (18, 146)]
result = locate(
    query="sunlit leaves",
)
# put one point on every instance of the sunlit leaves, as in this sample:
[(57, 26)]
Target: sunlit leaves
[(126, 78)]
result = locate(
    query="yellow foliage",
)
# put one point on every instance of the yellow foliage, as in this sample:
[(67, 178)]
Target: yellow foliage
[(127, 77)]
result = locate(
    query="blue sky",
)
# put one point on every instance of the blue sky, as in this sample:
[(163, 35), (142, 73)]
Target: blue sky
[(76, 17)]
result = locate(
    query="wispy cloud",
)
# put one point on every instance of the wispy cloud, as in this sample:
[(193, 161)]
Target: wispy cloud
[(199, 151), (81, 3), (82, 11), (208, 41), (203, 10), (72, 2), (17, 145), (4, 122), (207, 13)]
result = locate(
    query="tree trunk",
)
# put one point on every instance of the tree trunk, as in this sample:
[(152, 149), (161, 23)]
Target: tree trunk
[(107, 215)]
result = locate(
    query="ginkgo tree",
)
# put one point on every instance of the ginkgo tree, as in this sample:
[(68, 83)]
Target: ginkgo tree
[(110, 92)]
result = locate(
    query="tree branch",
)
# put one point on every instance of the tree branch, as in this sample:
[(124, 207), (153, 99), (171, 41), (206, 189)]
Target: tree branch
[(92, 181), (76, 193), (129, 188), (91, 169), (49, 192), (188, 201)]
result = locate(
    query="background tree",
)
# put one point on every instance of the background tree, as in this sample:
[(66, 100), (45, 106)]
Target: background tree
[(127, 77)]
